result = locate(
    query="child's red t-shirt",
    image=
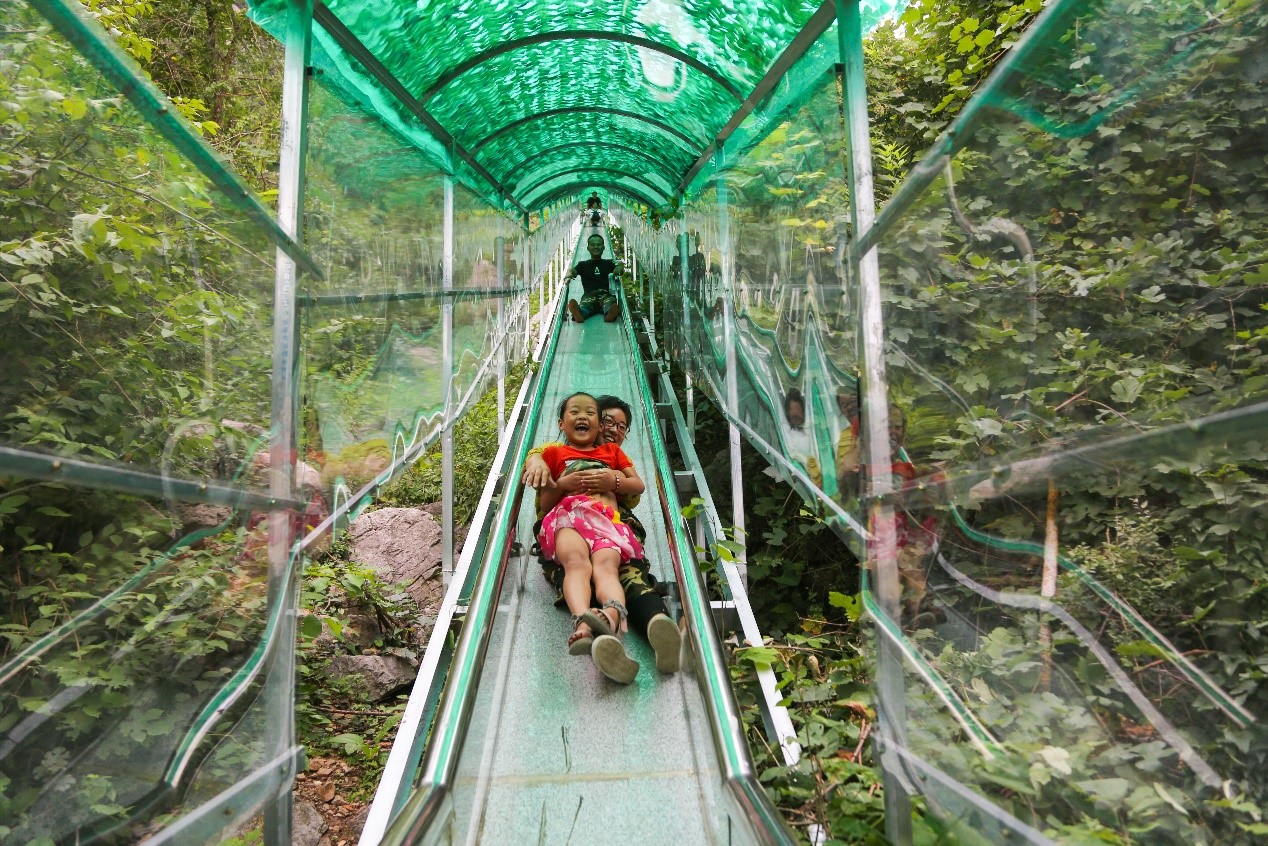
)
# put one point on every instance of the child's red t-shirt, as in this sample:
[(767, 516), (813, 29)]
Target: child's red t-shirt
[(559, 456)]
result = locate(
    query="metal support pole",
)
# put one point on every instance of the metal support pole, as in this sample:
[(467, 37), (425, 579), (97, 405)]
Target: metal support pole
[(732, 374), (501, 335), (280, 684), (882, 548), (446, 356), (563, 264), (651, 303)]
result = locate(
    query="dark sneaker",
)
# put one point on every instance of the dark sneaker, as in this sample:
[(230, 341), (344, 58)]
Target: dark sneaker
[(609, 656), (666, 641), (574, 308), (613, 312)]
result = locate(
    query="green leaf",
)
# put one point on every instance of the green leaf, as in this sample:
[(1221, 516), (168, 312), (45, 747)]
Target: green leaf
[(1127, 390), (310, 626), (761, 657), (351, 743), (75, 107), (1108, 790), (10, 504), (853, 605), (1057, 758), (1170, 799)]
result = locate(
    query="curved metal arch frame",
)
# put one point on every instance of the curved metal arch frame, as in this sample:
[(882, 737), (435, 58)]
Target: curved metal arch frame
[(693, 145), (588, 169), (550, 169), (561, 190), (506, 175), (578, 35)]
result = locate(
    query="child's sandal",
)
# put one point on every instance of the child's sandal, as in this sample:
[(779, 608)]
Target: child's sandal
[(579, 642), (621, 614), (597, 621)]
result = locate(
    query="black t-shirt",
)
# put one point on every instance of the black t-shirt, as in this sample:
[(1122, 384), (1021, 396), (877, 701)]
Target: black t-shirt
[(594, 274)]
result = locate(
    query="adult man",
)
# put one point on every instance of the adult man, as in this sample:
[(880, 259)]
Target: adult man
[(596, 298), (647, 613)]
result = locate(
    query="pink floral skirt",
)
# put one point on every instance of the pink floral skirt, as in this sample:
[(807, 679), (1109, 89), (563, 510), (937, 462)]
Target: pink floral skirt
[(598, 524)]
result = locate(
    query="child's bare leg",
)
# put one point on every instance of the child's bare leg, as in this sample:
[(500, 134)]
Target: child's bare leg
[(573, 553), (608, 653), (607, 584)]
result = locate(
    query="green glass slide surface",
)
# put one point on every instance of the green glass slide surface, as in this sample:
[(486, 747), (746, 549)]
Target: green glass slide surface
[(552, 745)]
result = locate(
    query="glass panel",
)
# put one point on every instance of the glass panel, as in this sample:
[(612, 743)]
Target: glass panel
[(508, 156), (570, 185), (478, 68), (692, 106), (123, 668), (739, 42), (1073, 314), (612, 161), (1073, 303), (135, 297), (373, 330)]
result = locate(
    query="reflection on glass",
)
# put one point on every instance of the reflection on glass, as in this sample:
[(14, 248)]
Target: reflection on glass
[(1074, 310)]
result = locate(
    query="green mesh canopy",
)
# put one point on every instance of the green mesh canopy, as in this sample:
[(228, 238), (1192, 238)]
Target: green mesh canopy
[(543, 99)]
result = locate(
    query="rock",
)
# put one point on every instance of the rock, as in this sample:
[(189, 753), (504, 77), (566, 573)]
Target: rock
[(307, 478), (307, 825), (356, 823), (403, 546), (436, 509), (201, 515), (376, 676)]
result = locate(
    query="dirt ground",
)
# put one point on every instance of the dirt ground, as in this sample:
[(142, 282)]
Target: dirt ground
[(325, 784)]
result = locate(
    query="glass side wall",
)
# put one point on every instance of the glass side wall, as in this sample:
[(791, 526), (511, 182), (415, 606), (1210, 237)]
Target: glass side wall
[(1074, 306), (376, 382), (136, 308), (1075, 314)]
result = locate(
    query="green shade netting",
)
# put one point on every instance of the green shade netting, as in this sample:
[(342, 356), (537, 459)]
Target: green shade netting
[(534, 89)]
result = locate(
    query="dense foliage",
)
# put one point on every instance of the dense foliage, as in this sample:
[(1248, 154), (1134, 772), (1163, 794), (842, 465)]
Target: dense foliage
[(131, 299), (1093, 272)]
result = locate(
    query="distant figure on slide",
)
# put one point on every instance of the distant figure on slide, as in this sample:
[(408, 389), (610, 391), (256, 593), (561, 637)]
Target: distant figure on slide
[(797, 440), (583, 531), (597, 297), (647, 613), (594, 202)]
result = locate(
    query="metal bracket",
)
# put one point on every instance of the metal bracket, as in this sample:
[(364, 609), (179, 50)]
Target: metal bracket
[(685, 483), (725, 617)]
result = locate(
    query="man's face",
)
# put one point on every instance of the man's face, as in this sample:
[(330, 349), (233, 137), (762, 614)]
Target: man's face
[(897, 427), (595, 246), (796, 414), (615, 426), (847, 404)]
